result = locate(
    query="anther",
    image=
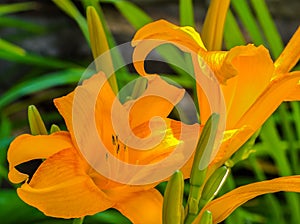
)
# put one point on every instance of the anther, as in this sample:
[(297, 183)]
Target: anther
[(118, 148), (113, 140)]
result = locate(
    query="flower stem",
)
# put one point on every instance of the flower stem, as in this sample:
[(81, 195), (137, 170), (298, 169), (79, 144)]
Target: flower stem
[(78, 220)]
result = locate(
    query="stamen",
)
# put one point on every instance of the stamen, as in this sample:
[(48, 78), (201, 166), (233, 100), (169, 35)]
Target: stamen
[(118, 148), (113, 140)]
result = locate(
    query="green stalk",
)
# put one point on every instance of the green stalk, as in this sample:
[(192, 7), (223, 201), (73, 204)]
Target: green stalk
[(206, 142), (78, 220), (271, 138)]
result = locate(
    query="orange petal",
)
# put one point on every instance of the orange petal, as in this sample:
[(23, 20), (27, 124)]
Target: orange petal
[(159, 161), (222, 207), (64, 106), (254, 68), (232, 141), (269, 100), (294, 95), (143, 207), (61, 188), (173, 137), (290, 55), (97, 109), (161, 32), (158, 99), (28, 147), (248, 70)]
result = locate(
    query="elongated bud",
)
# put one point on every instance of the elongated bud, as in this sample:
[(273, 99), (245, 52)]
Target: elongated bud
[(173, 212), (214, 185), (206, 142), (139, 87), (36, 123), (206, 218), (54, 128), (99, 45)]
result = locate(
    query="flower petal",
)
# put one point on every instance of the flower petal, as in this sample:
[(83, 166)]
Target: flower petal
[(28, 147), (232, 141), (97, 89), (254, 68), (61, 188), (173, 137), (143, 207), (294, 95), (161, 32), (158, 99), (269, 100), (222, 207), (290, 55)]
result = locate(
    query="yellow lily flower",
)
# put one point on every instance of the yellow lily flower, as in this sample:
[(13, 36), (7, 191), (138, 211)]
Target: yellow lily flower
[(253, 86), (66, 186)]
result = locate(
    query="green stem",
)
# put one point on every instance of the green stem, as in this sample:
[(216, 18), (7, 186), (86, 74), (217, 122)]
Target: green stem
[(78, 220), (272, 201), (288, 134)]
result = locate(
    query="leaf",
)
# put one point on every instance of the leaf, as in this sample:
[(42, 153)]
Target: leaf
[(186, 13), (43, 82), (16, 7), (14, 49), (232, 33), (243, 11), (135, 16), (22, 24), (70, 9), (13, 210), (12, 52), (265, 19)]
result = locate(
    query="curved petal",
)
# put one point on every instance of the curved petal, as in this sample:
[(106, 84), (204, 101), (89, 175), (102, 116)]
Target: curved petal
[(173, 137), (161, 32), (245, 72), (28, 147), (159, 99), (269, 100), (97, 87), (222, 207), (254, 68), (143, 207), (61, 188)]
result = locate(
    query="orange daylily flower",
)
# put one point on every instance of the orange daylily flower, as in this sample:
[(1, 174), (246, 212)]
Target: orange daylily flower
[(66, 186), (253, 87)]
